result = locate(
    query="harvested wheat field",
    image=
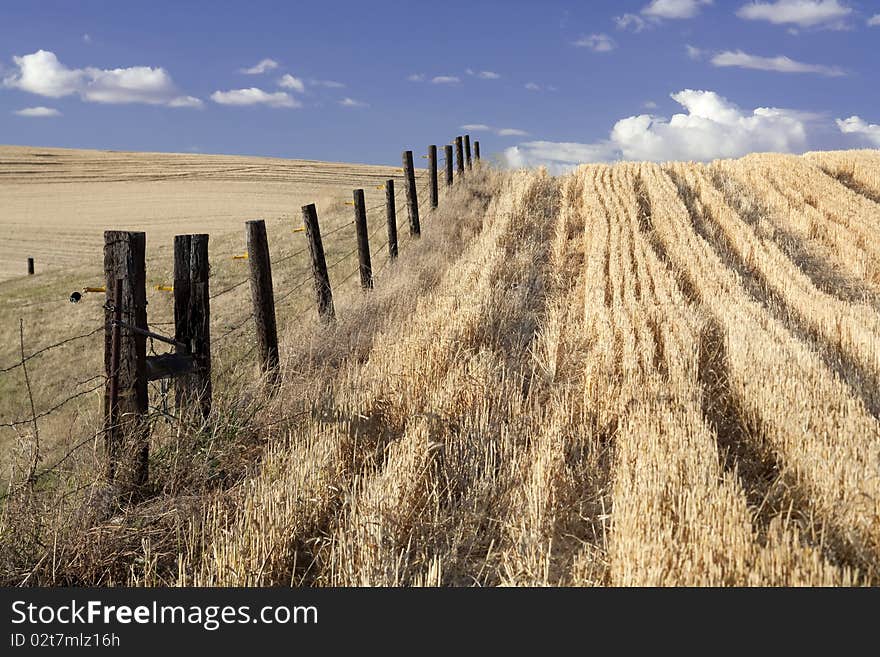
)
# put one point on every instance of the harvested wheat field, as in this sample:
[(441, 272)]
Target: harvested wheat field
[(629, 375)]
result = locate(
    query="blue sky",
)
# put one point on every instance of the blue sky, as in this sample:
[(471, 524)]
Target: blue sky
[(536, 82)]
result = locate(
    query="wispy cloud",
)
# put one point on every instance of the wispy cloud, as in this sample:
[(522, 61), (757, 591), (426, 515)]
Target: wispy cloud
[(263, 66), (674, 9), (501, 132), (288, 81), (254, 96), (693, 52), (416, 77), (649, 104), (38, 112), (779, 64), (874, 21), (803, 13), (351, 102), (42, 74), (445, 79), (87, 38), (596, 43), (327, 84), (483, 75)]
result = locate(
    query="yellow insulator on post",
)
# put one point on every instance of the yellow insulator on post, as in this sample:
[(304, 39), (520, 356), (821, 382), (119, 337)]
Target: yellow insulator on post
[(243, 256), (301, 229), (164, 288)]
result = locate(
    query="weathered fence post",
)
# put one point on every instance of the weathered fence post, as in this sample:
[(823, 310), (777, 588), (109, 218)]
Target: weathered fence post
[(262, 296), (319, 264), (432, 168), (125, 368), (412, 199), (467, 150), (30, 266), (192, 320), (448, 154), (363, 240), (459, 156), (391, 217), (477, 150)]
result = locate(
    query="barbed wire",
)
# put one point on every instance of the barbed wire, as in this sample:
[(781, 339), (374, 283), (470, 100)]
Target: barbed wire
[(51, 347), (17, 423)]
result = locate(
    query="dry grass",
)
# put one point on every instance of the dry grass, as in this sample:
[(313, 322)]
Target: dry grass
[(629, 375)]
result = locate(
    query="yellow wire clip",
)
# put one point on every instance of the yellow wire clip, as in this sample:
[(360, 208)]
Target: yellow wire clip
[(380, 186), (94, 289), (301, 229), (349, 202), (243, 256), (164, 288)]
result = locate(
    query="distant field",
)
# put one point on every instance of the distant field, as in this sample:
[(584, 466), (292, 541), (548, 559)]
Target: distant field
[(56, 203)]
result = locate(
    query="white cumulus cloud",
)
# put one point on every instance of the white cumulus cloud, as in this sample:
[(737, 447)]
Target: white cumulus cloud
[(42, 73), (855, 125), (780, 64), (712, 127), (287, 81), (803, 13), (596, 43), (38, 112), (254, 96), (264, 66)]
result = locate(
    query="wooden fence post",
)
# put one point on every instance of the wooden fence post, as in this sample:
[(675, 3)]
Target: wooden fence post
[(263, 296), (30, 266), (477, 150), (391, 217), (459, 156), (432, 167), (467, 150), (319, 264), (412, 199), (192, 320), (126, 431), (448, 151), (363, 240)]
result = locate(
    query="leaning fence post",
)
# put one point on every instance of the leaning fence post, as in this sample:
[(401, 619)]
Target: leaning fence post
[(192, 320), (363, 240), (125, 426), (30, 266), (477, 150), (459, 156), (323, 292), (467, 150), (412, 199), (391, 218), (262, 295), (448, 155), (432, 168)]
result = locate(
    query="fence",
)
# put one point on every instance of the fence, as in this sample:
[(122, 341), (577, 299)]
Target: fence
[(129, 369)]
